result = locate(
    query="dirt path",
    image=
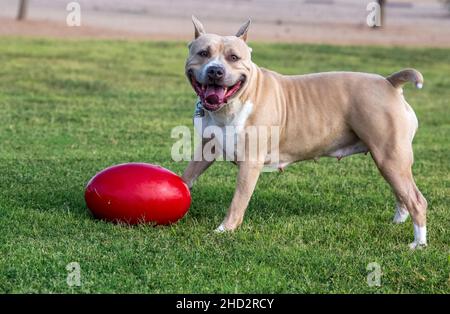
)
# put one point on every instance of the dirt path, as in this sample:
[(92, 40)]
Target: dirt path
[(407, 23)]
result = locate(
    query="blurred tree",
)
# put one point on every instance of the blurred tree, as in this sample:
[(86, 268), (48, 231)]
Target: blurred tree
[(382, 4), (23, 4), (446, 3)]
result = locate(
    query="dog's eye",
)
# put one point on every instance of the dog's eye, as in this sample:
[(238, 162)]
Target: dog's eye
[(203, 53), (234, 58)]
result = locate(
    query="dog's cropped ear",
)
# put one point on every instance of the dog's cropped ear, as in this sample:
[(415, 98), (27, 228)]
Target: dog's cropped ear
[(198, 26), (242, 32)]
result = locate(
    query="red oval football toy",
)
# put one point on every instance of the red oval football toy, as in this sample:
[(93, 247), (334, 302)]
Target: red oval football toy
[(137, 193)]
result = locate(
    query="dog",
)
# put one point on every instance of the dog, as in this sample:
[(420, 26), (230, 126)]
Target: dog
[(330, 114)]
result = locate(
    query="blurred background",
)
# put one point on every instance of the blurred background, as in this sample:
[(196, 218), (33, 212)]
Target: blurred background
[(405, 22)]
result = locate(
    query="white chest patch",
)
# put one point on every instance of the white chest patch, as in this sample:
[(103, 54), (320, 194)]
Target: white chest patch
[(236, 115), (226, 125)]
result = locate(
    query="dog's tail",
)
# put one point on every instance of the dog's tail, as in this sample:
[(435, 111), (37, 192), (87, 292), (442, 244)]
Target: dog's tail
[(406, 75)]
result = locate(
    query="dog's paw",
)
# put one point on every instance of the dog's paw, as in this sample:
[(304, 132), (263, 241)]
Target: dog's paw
[(420, 238), (417, 245), (220, 229)]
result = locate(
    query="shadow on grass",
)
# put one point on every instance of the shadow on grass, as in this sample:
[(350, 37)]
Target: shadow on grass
[(58, 185)]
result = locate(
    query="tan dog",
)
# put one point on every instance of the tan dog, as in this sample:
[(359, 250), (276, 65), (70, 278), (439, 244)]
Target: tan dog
[(333, 114)]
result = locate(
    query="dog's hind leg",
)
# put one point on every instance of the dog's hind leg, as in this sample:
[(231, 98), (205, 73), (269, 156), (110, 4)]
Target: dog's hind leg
[(395, 166), (401, 211), (388, 131)]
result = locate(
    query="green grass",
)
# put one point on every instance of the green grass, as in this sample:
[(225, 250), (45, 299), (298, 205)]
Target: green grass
[(71, 108)]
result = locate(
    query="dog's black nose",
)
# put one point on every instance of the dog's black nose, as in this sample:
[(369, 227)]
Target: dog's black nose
[(215, 72)]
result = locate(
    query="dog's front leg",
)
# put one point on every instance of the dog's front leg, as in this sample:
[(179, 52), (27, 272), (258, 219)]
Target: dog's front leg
[(195, 168), (248, 176)]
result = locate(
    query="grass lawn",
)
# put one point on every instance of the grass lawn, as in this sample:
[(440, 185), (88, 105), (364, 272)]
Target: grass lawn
[(71, 108)]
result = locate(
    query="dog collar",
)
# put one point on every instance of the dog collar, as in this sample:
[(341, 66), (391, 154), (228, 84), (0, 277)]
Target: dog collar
[(199, 112)]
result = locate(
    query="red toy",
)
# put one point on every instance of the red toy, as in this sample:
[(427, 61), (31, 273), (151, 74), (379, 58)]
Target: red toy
[(138, 192)]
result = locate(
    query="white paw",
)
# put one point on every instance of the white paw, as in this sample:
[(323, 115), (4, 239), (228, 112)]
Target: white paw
[(420, 237), (220, 229), (400, 215), (417, 245)]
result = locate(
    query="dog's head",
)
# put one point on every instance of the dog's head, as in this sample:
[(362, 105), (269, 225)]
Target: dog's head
[(218, 67)]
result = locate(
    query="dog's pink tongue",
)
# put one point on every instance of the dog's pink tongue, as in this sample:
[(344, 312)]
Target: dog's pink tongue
[(214, 94)]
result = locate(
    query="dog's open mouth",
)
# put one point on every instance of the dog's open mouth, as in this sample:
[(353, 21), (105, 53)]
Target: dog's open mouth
[(214, 96)]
